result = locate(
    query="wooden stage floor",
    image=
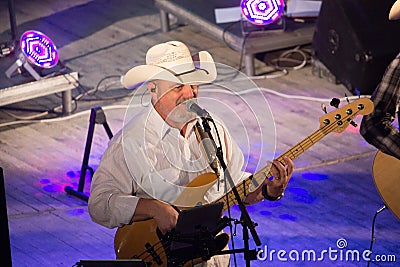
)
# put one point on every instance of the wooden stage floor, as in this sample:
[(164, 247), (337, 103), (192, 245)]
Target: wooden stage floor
[(331, 197)]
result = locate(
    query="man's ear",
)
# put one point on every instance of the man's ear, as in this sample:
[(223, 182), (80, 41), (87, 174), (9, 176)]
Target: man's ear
[(152, 87)]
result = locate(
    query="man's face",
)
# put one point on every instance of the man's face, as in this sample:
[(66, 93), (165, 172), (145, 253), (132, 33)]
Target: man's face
[(169, 101)]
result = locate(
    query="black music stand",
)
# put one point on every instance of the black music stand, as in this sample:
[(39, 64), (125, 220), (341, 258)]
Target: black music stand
[(195, 234), (97, 116)]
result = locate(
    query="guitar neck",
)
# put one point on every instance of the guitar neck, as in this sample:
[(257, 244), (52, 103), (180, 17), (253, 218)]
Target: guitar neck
[(243, 188), (337, 121)]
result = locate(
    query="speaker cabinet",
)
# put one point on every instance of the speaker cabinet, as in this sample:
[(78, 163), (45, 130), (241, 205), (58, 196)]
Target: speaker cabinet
[(355, 41), (5, 251)]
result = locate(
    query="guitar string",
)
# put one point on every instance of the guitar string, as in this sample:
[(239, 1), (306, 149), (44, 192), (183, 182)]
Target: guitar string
[(156, 248), (295, 152), (153, 248)]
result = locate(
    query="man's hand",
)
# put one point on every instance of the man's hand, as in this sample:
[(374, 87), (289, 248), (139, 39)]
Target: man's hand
[(282, 174), (275, 187), (164, 214), (166, 217)]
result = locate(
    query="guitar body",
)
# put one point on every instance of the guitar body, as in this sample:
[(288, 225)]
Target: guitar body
[(140, 239), (130, 240), (386, 172)]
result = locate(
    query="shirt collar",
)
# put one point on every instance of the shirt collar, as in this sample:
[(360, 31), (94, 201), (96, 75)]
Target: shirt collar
[(162, 128)]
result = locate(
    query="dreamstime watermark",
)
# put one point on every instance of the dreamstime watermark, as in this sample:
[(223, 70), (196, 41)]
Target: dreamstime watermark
[(338, 253)]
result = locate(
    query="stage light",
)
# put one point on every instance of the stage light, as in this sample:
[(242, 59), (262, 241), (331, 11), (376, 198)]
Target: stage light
[(262, 12), (37, 49)]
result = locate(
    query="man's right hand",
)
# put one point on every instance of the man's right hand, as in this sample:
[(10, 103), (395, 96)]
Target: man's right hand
[(164, 214), (166, 217)]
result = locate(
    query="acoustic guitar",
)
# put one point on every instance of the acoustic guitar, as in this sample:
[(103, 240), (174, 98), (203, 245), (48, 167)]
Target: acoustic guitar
[(140, 239), (386, 173)]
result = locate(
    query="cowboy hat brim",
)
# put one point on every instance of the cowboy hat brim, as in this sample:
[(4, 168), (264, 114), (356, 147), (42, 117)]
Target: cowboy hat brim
[(395, 11), (204, 72)]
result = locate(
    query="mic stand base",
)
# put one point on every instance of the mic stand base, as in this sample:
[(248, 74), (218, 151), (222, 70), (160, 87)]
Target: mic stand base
[(249, 254)]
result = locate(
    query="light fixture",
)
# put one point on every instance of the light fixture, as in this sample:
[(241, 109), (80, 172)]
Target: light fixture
[(36, 49), (262, 12)]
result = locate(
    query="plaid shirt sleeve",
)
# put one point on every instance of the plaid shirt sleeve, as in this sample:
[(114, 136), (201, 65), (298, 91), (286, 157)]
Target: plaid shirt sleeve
[(377, 128)]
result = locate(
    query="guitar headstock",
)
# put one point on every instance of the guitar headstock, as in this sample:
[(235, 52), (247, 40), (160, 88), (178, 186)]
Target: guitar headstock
[(339, 119)]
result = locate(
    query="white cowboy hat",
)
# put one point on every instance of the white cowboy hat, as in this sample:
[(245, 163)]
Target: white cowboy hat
[(172, 61), (395, 11)]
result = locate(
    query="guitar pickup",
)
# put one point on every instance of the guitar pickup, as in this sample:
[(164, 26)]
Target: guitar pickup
[(153, 254)]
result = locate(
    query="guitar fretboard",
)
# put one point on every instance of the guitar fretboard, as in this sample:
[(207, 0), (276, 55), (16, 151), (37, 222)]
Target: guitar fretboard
[(330, 126)]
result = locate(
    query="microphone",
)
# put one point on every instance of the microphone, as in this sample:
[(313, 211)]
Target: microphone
[(209, 147), (192, 106)]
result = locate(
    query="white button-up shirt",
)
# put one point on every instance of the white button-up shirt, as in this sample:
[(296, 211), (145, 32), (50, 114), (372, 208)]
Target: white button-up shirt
[(150, 159)]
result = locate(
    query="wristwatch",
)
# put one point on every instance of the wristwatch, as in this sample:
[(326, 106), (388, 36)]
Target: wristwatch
[(266, 196)]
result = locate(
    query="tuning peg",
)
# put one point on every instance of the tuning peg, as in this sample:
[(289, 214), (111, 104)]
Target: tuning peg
[(323, 107), (347, 99), (335, 102), (353, 124)]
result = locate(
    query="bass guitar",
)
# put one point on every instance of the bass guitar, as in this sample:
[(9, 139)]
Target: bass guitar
[(140, 239)]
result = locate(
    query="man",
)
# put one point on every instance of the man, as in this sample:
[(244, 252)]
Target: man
[(153, 158), (377, 128)]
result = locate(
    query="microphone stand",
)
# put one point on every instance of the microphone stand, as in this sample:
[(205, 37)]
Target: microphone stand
[(247, 223)]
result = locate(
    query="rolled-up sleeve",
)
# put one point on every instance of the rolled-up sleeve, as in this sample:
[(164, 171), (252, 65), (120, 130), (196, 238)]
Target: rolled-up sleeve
[(112, 202)]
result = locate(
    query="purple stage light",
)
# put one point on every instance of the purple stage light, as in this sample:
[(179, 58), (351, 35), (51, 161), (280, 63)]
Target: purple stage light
[(39, 49), (36, 49), (262, 12)]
